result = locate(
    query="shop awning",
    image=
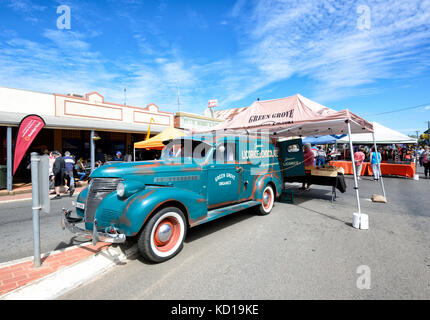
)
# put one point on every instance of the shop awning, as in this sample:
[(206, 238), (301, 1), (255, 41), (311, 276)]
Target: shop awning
[(156, 142)]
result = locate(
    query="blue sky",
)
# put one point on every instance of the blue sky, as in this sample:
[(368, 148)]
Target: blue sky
[(369, 56)]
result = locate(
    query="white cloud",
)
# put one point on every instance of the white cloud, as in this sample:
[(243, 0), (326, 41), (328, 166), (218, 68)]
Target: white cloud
[(320, 40), (277, 40)]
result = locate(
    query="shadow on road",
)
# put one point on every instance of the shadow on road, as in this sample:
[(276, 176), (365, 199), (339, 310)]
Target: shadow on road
[(209, 228)]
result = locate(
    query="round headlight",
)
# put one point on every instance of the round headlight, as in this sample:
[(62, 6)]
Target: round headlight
[(120, 189)]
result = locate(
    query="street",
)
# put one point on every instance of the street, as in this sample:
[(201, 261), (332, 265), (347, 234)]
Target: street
[(16, 228), (305, 250)]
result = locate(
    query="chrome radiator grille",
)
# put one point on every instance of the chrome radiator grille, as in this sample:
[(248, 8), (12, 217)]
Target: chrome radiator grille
[(98, 189)]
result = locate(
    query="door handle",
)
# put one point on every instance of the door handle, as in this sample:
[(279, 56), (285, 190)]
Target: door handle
[(240, 169)]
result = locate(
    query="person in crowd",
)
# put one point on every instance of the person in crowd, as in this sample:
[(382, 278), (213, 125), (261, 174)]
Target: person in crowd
[(366, 152), (68, 171), (308, 156), (426, 161), (334, 153), (419, 155), (128, 157), (375, 158), (391, 155), (321, 156), (396, 156), (408, 156), (404, 152), (314, 149), (51, 174), (80, 170), (98, 164), (118, 156), (100, 156), (58, 169), (359, 157)]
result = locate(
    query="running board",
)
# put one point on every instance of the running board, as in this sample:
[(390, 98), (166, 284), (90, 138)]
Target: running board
[(220, 212)]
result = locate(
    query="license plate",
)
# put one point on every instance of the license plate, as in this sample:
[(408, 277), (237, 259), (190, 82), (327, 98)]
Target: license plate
[(79, 205)]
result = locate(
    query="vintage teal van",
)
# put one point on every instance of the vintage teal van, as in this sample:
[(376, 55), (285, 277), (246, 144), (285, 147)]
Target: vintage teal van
[(197, 179)]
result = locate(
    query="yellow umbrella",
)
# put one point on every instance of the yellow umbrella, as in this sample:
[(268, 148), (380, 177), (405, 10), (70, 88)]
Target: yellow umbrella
[(156, 142)]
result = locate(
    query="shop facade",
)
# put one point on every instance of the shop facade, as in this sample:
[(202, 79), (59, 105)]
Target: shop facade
[(85, 125)]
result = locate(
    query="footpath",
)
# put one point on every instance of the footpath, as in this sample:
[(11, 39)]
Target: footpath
[(60, 270)]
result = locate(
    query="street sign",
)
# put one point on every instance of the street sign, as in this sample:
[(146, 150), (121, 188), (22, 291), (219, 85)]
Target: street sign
[(212, 103)]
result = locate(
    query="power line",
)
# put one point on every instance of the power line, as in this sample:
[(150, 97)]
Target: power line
[(399, 110)]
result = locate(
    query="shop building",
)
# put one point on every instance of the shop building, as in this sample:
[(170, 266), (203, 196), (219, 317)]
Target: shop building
[(192, 121), (71, 120)]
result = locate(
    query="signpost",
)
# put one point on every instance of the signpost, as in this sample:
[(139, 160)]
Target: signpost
[(40, 197)]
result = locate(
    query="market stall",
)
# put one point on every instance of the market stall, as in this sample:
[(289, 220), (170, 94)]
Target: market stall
[(387, 169), (323, 176), (383, 136), (298, 116)]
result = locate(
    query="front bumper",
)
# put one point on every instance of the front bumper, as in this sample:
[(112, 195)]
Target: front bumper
[(110, 235)]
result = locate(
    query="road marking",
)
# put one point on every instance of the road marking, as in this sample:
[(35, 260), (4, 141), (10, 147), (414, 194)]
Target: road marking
[(14, 200)]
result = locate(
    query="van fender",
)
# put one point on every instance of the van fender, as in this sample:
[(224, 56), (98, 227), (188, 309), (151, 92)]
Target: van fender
[(146, 202), (261, 181)]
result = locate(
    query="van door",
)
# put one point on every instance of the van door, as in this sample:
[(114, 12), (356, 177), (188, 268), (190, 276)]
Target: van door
[(224, 176), (292, 160)]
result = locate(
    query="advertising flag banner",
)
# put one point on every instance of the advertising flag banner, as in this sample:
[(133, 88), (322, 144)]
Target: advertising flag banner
[(28, 129)]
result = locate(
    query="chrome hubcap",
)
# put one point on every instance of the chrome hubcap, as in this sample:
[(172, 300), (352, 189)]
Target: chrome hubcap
[(164, 232), (266, 198)]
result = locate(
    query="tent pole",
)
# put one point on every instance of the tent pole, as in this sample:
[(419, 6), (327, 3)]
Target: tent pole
[(379, 164), (353, 168)]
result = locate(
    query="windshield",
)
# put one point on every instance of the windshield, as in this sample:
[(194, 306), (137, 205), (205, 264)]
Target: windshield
[(196, 150)]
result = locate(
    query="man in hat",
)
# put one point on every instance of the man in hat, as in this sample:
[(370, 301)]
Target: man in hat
[(118, 156)]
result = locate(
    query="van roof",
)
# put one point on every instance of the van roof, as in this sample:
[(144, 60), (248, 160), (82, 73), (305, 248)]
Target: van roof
[(212, 139)]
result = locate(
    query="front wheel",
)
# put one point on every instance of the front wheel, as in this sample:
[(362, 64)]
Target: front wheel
[(163, 235), (267, 202)]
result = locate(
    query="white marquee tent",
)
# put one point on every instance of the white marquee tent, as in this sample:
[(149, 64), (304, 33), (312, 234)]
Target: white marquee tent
[(383, 135)]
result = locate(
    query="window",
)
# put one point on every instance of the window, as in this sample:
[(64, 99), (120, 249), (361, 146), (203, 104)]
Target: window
[(225, 152), (293, 148), (185, 149)]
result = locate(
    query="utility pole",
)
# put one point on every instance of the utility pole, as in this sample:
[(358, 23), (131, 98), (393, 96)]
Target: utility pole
[(125, 96), (179, 104), (428, 132)]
